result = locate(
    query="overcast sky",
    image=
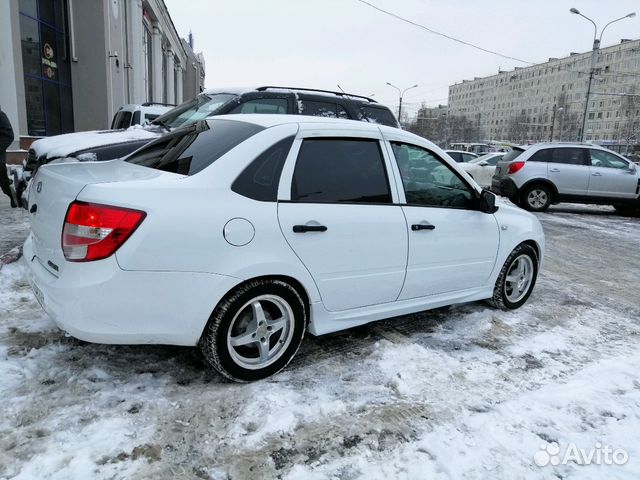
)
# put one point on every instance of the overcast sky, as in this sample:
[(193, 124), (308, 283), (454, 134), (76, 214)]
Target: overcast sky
[(321, 43)]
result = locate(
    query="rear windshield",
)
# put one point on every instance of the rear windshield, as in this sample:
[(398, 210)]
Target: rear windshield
[(199, 108), (191, 149), (512, 155), (379, 115)]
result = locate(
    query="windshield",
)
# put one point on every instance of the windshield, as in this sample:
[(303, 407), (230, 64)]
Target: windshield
[(199, 108)]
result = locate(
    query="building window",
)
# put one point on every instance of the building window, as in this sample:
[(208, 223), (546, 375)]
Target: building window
[(45, 62)]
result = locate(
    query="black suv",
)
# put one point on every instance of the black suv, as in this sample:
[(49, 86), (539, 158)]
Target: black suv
[(287, 100), (111, 144)]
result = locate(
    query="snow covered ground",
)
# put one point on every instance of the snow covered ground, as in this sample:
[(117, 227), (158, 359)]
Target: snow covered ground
[(458, 393)]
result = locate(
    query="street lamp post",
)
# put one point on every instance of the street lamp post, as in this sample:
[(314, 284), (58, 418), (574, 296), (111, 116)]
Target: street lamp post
[(401, 94), (594, 53)]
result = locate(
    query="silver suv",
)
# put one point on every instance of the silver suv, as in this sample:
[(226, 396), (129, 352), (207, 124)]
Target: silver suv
[(546, 173)]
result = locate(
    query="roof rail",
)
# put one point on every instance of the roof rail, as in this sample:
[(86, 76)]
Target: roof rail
[(149, 104), (341, 94)]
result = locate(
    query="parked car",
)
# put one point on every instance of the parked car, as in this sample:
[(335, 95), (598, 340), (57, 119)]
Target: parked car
[(138, 114), (546, 173), (110, 144), (461, 156), (482, 168), (241, 232)]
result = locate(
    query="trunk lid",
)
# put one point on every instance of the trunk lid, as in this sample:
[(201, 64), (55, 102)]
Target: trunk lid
[(54, 188)]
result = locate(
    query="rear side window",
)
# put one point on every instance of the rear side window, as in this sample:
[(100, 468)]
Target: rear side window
[(379, 115), (541, 156), (334, 170), (322, 109), (569, 156), (260, 179), (191, 149), (262, 105), (512, 155)]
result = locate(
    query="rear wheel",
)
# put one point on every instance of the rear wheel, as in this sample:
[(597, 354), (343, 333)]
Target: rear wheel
[(536, 198), (256, 331), (517, 279)]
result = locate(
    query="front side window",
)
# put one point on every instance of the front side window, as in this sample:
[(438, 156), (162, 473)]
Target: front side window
[(569, 156), (428, 181), (340, 170), (199, 108), (262, 105), (191, 149), (600, 158)]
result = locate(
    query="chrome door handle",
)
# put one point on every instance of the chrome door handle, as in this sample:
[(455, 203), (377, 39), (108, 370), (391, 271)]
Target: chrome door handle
[(597, 174), (555, 170)]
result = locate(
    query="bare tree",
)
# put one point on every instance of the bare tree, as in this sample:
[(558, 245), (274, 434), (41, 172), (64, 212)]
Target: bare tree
[(518, 128), (430, 123), (461, 129), (567, 120), (630, 128)]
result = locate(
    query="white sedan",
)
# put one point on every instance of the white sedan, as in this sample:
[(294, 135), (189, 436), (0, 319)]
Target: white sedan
[(240, 233), (482, 168)]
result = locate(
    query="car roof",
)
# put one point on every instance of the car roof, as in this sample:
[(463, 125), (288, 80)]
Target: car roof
[(271, 120), (295, 90)]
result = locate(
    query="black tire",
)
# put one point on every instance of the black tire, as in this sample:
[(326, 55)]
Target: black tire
[(536, 198), (628, 210), (232, 310), (500, 297)]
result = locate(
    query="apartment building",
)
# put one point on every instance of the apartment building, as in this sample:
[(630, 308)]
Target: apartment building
[(547, 100)]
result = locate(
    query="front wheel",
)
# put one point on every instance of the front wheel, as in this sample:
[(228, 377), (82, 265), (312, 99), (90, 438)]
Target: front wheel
[(536, 198), (517, 279), (256, 331)]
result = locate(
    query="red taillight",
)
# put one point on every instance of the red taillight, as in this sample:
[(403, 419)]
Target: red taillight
[(515, 167), (93, 232)]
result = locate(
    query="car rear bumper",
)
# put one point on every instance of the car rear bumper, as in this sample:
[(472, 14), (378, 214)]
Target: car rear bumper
[(101, 303), (505, 187)]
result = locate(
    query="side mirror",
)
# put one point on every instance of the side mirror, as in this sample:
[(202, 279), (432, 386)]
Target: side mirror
[(632, 167), (488, 202), (483, 163)]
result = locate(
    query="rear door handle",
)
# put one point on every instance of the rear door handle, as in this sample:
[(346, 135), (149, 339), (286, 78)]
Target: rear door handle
[(422, 226), (309, 228), (554, 170), (596, 174)]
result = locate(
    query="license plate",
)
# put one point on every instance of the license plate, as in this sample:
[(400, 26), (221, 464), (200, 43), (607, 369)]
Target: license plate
[(38, 294)]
